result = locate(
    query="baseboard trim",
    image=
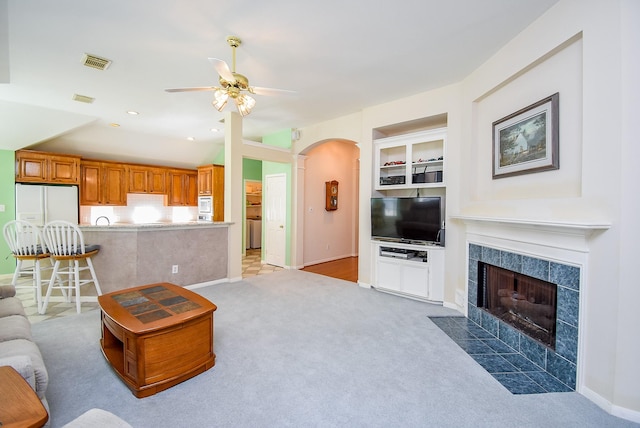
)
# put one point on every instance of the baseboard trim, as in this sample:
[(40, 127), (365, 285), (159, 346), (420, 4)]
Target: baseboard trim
[(330, 259), (452, 306), (607, 406), (206, 283), (364, 284)]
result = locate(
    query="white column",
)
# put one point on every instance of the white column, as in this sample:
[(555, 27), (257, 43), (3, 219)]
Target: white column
[(233, 192)]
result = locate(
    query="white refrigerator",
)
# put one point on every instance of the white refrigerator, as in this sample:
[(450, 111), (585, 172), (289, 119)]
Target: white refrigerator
[(39, 204)]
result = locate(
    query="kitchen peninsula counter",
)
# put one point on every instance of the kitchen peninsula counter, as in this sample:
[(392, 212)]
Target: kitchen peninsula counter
[(139, 254)]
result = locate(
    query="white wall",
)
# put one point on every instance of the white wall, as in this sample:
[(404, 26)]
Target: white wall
[(583, 49), (573, 49), (627, 374)]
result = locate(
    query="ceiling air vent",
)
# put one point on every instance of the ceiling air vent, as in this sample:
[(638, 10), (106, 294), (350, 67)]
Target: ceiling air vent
[(83, 98), (95, 62)]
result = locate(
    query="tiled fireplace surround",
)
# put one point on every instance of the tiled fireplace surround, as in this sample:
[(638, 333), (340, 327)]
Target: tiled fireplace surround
[(561, 364), (557, 252)]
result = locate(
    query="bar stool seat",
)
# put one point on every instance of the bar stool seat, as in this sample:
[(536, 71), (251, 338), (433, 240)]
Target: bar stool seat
[(65, 243)]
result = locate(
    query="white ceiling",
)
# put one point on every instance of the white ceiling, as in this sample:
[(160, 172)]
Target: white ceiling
[(339, 56)]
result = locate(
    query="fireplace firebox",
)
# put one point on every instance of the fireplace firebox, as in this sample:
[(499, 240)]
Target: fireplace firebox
[(526, 303)]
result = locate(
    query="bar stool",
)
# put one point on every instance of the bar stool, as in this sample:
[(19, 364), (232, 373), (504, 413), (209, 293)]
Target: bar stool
[(25, 242), (65, 243)]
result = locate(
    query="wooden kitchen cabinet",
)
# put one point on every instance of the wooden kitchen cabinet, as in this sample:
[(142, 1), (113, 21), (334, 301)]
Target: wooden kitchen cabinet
[(42, 167), (205, 180), (147, 179), (183, 187), (102, 183), (211, 183)]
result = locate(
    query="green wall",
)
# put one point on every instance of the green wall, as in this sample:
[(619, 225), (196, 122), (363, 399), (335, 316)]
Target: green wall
[(8, 199), (279, 139), (219, 159), (252, 169)]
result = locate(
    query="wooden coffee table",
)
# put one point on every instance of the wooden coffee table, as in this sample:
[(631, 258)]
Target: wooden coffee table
[(19, 404), (156, 336)]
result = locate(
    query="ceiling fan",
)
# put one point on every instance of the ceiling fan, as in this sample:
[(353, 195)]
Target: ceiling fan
[(233, 85)]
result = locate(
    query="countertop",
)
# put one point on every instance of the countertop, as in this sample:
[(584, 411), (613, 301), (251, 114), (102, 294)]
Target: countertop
[(129, 227)]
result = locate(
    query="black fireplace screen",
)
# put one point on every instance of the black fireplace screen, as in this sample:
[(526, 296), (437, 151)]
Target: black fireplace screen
[(528, 304)]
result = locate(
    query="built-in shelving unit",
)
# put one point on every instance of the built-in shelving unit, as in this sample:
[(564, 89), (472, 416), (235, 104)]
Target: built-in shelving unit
[(253, 193), (411, 161)]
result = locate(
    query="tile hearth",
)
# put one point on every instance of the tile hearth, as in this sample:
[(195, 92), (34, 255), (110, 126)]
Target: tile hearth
[(509, 367), (560, 363)]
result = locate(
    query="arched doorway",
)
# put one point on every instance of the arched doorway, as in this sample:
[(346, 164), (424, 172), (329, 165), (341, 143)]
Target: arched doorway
[(330, 236)]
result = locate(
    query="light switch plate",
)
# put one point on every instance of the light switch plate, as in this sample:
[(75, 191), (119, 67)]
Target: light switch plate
[(2, 208)]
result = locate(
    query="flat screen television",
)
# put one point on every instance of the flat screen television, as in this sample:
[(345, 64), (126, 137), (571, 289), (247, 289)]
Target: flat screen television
[(406, 219)]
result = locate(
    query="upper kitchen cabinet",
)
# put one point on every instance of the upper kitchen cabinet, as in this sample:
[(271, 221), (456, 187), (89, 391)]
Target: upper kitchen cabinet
[(183, 187), (411, 161), (102, 183), (147, 179), (41, 167), (211, 183)]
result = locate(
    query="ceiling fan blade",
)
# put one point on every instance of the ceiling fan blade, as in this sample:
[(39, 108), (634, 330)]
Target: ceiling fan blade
[(271, 91), (223, 69), (199, 88)]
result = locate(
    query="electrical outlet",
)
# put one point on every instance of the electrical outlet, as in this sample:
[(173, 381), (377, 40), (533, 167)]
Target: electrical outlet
[(174, 269)]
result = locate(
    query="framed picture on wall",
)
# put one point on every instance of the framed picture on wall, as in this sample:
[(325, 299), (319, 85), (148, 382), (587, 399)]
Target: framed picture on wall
[(527, 141)]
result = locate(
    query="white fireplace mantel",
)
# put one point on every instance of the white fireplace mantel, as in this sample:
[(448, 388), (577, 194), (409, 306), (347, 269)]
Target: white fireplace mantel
[(587, 227), (552, 235)]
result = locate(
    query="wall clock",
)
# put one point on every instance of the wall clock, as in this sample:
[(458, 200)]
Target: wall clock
[(331, 192)]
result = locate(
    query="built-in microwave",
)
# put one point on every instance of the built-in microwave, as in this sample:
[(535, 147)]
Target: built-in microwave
[(205, 208)]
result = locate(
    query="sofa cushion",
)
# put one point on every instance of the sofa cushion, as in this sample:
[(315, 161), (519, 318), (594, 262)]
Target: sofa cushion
[(17, 347), (21, 364), (14, 327), (7, 291), (11, 306)]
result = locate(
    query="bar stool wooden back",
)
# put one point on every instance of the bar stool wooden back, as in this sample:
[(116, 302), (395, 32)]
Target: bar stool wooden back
[(67, 248), (27, 247)]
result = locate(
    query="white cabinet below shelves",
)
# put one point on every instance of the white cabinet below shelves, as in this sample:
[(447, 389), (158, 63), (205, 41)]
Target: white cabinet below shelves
[(415, 271), (415, 160)]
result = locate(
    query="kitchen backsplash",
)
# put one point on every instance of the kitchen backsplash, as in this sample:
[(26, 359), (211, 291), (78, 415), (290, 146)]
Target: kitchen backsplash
[(141, 208)]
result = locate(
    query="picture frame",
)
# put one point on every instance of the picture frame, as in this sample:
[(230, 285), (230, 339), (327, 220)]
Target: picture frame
[(527, 141)]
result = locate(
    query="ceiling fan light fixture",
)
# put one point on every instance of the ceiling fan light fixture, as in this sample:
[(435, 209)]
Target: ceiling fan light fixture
[(245, 103), (220, 99)]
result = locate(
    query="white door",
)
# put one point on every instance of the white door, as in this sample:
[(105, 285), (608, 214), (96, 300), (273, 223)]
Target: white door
[(275, 200)]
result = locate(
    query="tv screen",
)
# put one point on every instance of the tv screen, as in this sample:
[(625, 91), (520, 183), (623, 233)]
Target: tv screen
[(406, 219)]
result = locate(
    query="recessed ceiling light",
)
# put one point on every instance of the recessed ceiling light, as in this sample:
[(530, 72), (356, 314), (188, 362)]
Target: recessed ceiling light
[(191, 138), (214, 130), (131, 112), (115, 125)]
